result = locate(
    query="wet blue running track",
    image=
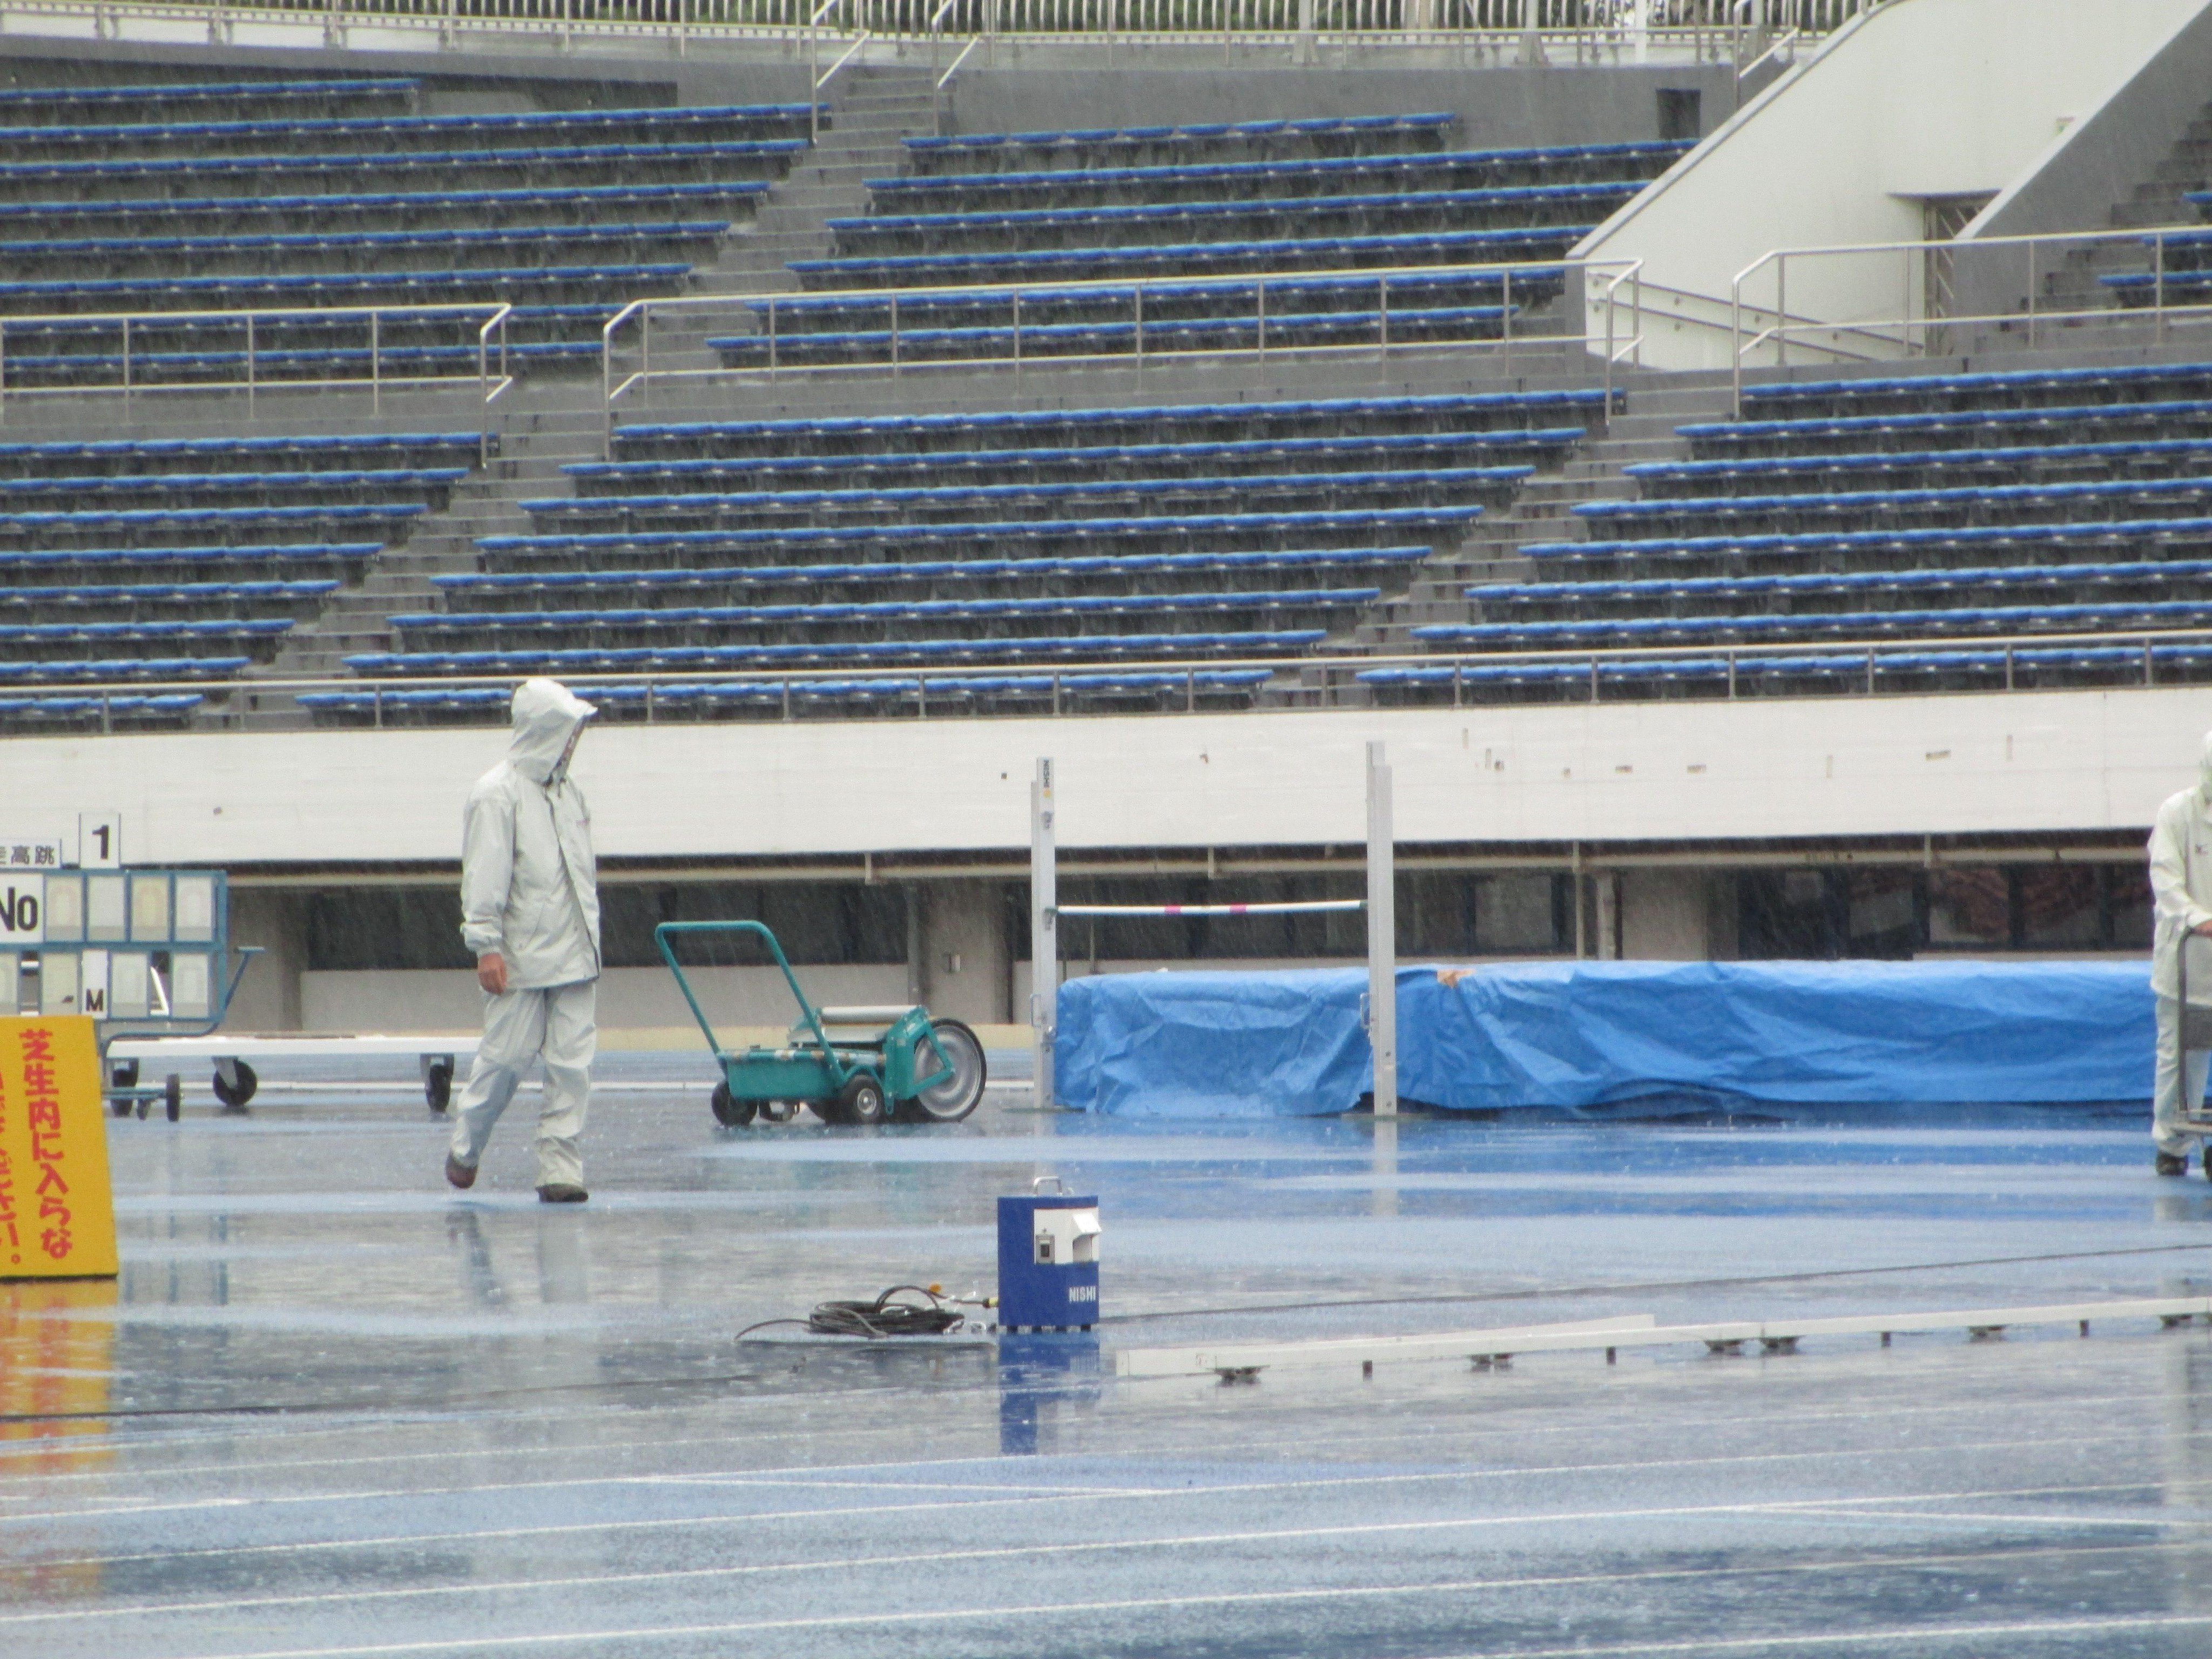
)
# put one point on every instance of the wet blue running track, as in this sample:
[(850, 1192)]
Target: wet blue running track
[(334, 1409)]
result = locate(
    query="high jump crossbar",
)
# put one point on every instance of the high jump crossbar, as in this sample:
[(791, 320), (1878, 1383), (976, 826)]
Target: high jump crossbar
[(1381, 1002), (1293, 907)]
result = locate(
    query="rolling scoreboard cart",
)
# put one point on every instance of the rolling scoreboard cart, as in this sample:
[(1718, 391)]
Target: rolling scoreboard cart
[(147, 953)]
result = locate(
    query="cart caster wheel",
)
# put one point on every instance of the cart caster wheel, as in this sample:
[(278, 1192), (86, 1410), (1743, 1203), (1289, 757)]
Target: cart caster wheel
[(730, 1113), (778, 1111), (119, 1108), (123, 1073), (861, 1100), (173, 1097), (2208, 1162), (233, 1094), (438, 1086)]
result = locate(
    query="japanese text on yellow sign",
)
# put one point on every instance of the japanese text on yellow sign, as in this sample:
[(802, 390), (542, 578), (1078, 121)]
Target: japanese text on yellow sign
[(57, 1210)]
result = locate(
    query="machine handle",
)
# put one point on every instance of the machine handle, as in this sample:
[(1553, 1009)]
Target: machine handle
[(1036, 1186)]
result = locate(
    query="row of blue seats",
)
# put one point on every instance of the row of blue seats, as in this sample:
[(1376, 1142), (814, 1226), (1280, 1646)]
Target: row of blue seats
[(1157, 181), (772, 696), (1169, 300), (2019, 457), (1187, 258), (228, 629), (155, 367), (1847, 673), (1662, 591), (599, 550), (2151, 495), (1060, 574), (319, 241), (440, 287), (1997, 619), (1495, 481), (1941, 542), (105, 671), (1469, 202), (1300, 329), (169, 593), (133, 560), (134, 708), (405, 202), (892, 612), (2176, 282), (2159, 418), (211, 92), (141, 454), (443, 164), (792, 436), (2126, 382), (676, 659), (1398, 446), (1438, 121), (677, 118), (18, 529), (435, 479)]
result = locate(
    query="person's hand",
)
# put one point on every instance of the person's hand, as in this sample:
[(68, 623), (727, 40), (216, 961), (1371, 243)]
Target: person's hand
[(492, 973), (2203, 930)]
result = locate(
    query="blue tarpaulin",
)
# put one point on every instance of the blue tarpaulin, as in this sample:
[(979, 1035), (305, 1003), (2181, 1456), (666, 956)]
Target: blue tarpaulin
[(1592, 1036)]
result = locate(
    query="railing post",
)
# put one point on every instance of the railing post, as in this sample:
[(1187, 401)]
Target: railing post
[(375, 369), (1383, 313), (895, 335), (1017, 334), (1262, 290), (771, 338), (2158, 257), (126, 363), (1140, 343), (249, 365)]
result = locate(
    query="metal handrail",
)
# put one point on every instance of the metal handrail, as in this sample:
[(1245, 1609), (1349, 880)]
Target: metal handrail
[(1896, 333), (642, 312), (814, 68), (1335, 667), (946, 79), (253, 319), (1496, 27)]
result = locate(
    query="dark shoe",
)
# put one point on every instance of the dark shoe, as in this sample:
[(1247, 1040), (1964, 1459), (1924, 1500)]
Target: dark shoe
[(458, 1174), (560, 1192), (2168, 1163)]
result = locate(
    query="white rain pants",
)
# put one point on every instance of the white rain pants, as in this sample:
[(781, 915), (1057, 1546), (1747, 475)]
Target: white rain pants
[(558, 1026), (2167, 1095)]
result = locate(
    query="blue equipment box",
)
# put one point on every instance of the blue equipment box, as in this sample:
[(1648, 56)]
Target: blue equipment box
[(1048, 1262)]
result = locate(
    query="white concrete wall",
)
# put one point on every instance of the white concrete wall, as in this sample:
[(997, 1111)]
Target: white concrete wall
[(1920, 98), (1840, 766)]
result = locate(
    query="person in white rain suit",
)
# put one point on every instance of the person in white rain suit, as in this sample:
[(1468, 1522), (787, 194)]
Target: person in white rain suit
[(2181, 896), (530, 912)]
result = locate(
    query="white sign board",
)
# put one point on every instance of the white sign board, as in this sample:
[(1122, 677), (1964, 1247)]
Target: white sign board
[(23, 910), (22, 852), (100, 840)]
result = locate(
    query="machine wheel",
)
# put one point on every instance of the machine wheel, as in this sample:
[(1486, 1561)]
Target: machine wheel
[(123, 1073), (860, 1101), (779, 1111), (233, 1097), (954, 1098), (172, 1096), (438, 1085), (120, 1107), (729, 1112)]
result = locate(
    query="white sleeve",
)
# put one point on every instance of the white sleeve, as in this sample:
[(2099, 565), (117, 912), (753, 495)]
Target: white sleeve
[(487, 866)]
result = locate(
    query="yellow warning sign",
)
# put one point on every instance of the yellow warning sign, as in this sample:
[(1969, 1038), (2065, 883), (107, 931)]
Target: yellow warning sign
[(57, 1209)]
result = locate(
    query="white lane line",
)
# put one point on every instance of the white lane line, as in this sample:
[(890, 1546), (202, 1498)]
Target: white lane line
[(1900, 1638), (666, 1482), (1061, 1611), (1790, 1509), (415, 1540), (2158, 1518), (2012, 1444), (427, 1419)]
